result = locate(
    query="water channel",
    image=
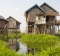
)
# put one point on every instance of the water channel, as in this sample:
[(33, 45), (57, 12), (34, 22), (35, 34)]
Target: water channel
[(23, 48)]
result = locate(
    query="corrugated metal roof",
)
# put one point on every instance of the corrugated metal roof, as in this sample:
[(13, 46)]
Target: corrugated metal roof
[(14, 19), (1, 17), (33, 7), (48, 6)]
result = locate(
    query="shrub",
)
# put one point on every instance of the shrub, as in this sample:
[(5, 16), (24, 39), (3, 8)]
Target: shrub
[(4, 51), (42, 44), (40, 40)]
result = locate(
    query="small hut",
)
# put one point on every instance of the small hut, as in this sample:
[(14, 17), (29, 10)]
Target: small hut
[(13, 24)]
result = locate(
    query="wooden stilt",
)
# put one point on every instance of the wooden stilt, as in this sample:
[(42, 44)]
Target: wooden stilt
[(34, 29), (58, 29)]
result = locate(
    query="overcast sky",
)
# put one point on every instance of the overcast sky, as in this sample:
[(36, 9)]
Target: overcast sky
[(16, 8)]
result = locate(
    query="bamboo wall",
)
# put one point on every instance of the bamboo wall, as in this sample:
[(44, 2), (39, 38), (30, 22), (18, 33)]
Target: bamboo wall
[(2, 23), (12, 23), (32, 14)]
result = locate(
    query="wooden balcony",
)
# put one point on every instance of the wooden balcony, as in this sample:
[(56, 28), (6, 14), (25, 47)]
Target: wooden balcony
[(52, 22), (40, 22)]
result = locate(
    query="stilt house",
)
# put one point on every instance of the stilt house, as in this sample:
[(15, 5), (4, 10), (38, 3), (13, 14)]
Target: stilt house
[(41, 19)]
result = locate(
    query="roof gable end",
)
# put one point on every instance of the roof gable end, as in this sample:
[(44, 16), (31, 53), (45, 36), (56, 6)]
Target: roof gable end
[(48, 6), (34, 7), (14, 19)]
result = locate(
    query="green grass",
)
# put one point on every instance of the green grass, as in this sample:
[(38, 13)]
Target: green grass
[(4, 51), (47, 45)]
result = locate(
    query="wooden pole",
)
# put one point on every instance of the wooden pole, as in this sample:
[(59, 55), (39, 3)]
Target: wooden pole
[(50, 29), (35, 28), (27, 29), (58, 29), (45, 29), (6, 31)]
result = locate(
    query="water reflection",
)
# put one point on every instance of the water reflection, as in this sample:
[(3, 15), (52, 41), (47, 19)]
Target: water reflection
[(23, 48)]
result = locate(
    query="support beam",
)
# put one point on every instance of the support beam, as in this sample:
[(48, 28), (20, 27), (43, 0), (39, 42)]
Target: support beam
[(27, 29), (45, 29), (35, 28), (58, 29), (50, 29)]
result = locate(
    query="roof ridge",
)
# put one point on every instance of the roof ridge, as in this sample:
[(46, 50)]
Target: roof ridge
[(48, 6), (14, 19), (33, 7)]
